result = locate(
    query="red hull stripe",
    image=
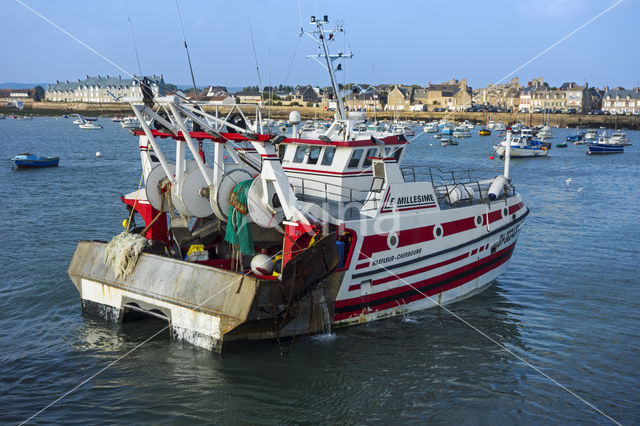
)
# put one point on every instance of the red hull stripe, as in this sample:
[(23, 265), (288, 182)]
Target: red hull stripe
[(516, 207), (422, 289), (450, 249), (494, 216), (456, 226), (376, 243)]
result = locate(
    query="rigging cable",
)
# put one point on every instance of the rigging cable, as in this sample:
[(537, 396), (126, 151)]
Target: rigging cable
[(255, 55), (193, 80)]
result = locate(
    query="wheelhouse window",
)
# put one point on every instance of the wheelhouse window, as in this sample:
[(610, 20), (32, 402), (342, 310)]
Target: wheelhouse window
[(298, 157), (314, 155), (355, 159), (327, 158), (371, 152), (397, 154)]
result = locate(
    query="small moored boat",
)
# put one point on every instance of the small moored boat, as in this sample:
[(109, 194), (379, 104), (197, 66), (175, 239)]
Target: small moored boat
[(129, 123), (27, 160), (484, 132), (604, 148), (578, 137), (606, 145), (90, 126), (522, 146)]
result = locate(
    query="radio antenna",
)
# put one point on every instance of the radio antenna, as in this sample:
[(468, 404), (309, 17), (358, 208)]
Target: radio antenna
[(184, 38), (135, 47)]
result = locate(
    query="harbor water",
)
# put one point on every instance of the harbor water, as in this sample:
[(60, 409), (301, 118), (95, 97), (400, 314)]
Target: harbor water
[(568, 304)]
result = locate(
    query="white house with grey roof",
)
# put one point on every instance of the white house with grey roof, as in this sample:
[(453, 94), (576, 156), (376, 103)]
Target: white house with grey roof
[(101, 89), (621, 101)]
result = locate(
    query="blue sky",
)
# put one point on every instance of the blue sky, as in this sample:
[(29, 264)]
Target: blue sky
[(411, 42)]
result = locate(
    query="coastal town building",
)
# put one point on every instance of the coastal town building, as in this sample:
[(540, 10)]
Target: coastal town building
[(596, 97), (249, 97), (539, 96), (102, 89), (505, 95), (419, 99), (23, 95), (363, 102), (567, 97), (620, 101), (305, 94), (453, 95), (399, 98), (405, 98), (212, 97), (526, 94), (217, 91)]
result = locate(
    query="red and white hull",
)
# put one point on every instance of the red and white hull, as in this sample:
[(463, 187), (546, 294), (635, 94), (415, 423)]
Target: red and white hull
[(413, 268)]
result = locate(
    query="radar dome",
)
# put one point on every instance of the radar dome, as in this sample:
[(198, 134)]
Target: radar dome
[(294, 117)]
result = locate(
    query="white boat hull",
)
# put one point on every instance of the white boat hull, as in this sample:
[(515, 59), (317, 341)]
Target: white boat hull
[(522, 152), (385, 282)]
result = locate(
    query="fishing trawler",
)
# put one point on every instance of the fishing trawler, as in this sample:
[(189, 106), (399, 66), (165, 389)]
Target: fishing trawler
[(278, 235)]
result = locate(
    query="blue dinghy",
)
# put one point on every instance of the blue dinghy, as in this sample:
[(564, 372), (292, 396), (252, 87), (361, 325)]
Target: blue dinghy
[(27, 160)]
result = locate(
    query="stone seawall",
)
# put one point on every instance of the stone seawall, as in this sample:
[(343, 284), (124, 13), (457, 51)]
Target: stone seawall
[(282, 112)]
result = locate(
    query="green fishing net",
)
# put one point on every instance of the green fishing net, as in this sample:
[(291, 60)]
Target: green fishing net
[(238, 230)]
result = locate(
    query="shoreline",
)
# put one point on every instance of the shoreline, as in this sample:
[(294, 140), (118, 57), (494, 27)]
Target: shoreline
[(54, 109)]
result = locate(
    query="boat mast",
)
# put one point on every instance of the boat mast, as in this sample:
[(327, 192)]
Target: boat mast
[(329, 58)]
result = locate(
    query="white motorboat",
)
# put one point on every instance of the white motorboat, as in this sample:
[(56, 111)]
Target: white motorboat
[(521, 146), (499, 127), (90, 126), (589, 136), (431, 127), (620, 138), (544, 133), (461, 132), (129, 123)]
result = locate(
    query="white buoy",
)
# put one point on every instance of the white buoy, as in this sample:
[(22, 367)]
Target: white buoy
[(98, 154), (261, 265)]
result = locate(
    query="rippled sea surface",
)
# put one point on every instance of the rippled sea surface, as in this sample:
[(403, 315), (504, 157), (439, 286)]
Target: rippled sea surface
[(569, 303)]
